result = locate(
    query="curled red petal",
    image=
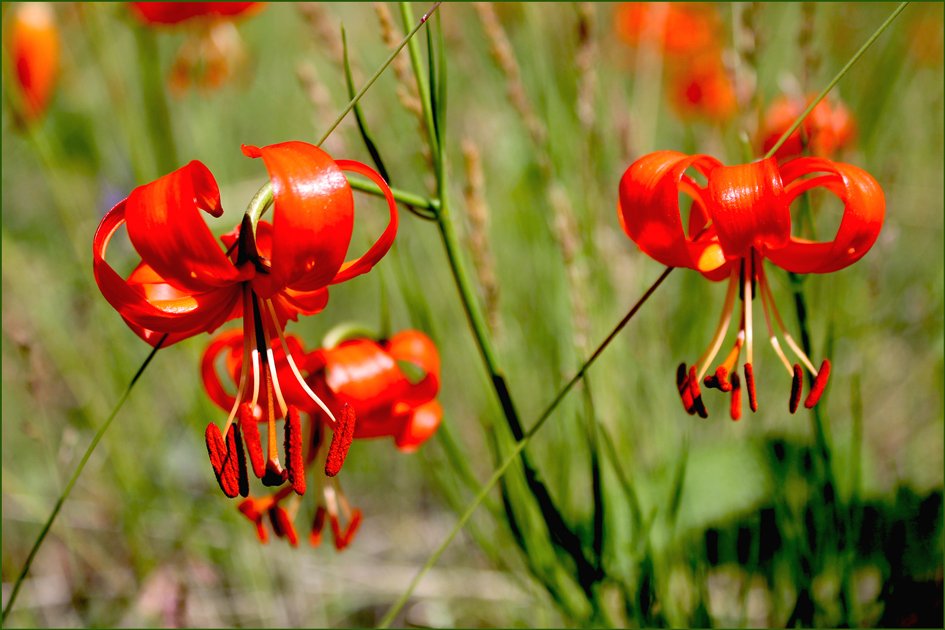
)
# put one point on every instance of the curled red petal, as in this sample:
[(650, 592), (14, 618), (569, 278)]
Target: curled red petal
[(150, 305), (422, 424), (648, 208), (864, 209), (748, 208), (383, 244), (363, 373), (414, 347), (224, 342), (313, 216), (166, 229)]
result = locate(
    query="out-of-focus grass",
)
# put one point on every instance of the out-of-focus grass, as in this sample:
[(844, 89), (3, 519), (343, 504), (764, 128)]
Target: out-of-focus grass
[(146, 537)]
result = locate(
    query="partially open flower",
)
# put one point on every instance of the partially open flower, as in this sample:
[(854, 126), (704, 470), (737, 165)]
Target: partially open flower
[(34, 53), (828, 129), (739, 218), (359, 378), (214, 51)]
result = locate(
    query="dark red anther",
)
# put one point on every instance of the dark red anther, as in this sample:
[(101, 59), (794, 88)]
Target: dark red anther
[(225, 467), (735, 385), (719, 380), (234, 446), (797, 386), (282, 525), (683, 386), (293, 451), (250, 431), (341, 437), (750, 386), (315, 536), (344, 538), (696, 394), (817, 387)]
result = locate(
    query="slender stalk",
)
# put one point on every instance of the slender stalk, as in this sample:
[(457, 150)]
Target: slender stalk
[(265, 193), (516, 451), (836, 79), (156, 113), (75, 477), (423, 88), (403, 196)]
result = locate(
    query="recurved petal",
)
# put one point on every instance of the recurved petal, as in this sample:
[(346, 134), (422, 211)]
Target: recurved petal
[(648, 208), (166, 229), (224, 342), (150, 305), (313, 216), (383, 244), (422, 424), (414, 347), (864, 209)]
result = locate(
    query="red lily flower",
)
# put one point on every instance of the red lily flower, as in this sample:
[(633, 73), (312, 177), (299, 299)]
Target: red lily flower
[(34, 51), (215, 52), (739, 218), (678, 28), (186, 284), (827, 129), (362, 375), (703, 88)]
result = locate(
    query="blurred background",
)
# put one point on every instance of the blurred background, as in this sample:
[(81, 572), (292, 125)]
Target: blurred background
[(700, 522)]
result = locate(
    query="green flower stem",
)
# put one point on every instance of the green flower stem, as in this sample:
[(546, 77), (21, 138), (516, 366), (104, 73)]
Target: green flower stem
[(836, 79), (75, 477), (517, 450), (154, 97), (263, 196), (423, 88), (402, 196)]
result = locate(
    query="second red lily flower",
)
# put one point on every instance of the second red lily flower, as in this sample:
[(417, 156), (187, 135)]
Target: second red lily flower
[(186, 284)]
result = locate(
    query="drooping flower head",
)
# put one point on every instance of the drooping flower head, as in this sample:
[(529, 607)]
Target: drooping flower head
[(827, 129), (214, 51), (678, 29), (186, 284), (34, 53), (390, 385), (740, 216)]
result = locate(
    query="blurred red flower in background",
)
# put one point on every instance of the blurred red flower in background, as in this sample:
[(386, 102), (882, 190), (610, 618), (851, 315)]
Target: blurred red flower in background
[(827, 129), (34, 52), (703, 88), (214, 52), (738, 218)]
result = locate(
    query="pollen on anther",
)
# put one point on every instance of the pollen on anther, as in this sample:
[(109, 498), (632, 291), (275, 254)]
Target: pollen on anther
[(735, 385), (797, 385), (224, 467), (750, 386), (293, 451), (817, 387), (342, 435), (250, 431)]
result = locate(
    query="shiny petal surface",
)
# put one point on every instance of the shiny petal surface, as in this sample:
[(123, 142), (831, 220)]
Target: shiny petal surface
[(864, 209), (151, 305), (166, 229), (383, 244), (648, 209), (313, 216), (177, 12), (748, 208), (423, 423)]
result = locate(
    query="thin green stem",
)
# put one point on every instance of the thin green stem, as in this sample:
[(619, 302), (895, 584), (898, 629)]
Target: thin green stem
[(264, 195), (836, 79), (516, 451), (403, 196), (75, 477), (156, 113), (423, 88)]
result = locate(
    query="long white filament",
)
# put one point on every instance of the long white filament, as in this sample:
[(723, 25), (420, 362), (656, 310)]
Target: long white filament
[(706, 359)]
